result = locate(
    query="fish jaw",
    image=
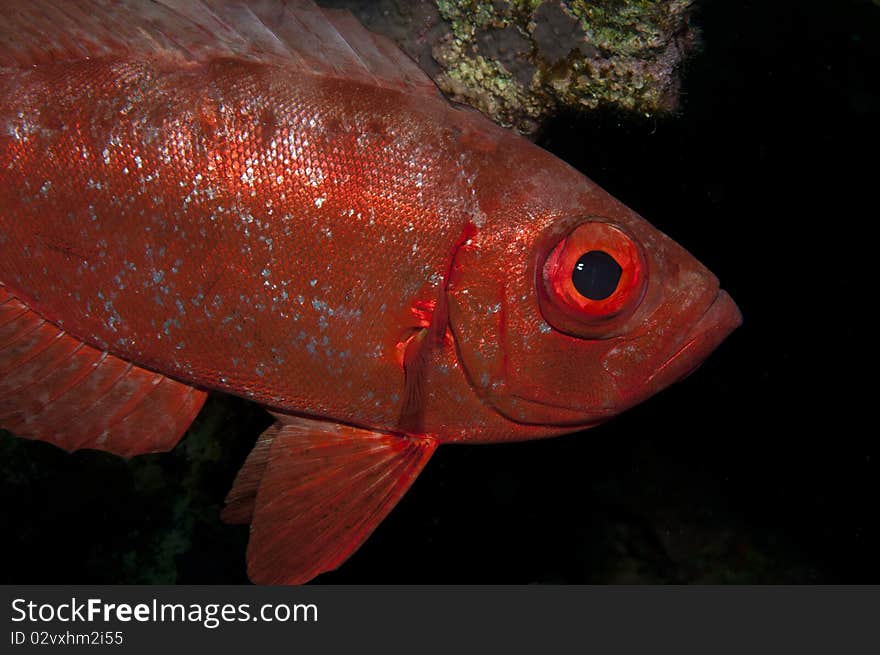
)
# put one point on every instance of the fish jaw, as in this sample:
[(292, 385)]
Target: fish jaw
[(720, 319)]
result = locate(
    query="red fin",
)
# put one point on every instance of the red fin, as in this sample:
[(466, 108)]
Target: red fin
[(55, 388), (415, 360), (324, 490), (286, 32), (241, 498), (418, 357)]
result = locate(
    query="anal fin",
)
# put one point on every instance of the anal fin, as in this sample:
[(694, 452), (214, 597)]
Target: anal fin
[(322, 490), (55, 388)]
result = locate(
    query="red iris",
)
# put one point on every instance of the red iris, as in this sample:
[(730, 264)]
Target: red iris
[(596, 256)]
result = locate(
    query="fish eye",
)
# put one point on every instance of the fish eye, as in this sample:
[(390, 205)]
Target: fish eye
[(591, 280), (596, 274)]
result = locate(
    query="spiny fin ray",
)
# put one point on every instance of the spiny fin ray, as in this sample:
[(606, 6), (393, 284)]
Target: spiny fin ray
[(294, 33)]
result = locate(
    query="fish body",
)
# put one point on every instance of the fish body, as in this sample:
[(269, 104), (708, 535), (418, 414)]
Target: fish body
[(269, 238), (325, 235)]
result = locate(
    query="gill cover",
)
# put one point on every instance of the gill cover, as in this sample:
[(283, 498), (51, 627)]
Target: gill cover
[(527, 336), (569, 320)]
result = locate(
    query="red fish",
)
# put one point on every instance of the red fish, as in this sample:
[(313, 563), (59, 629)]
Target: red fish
[(267, 200)]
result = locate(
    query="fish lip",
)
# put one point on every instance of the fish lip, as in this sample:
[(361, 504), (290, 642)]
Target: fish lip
[(720, 318), (577, 417)]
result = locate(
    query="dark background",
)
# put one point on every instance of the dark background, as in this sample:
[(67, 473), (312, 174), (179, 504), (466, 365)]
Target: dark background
[(759, 468)]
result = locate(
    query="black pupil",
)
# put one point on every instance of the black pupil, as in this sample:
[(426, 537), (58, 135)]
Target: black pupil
[(596, 275)]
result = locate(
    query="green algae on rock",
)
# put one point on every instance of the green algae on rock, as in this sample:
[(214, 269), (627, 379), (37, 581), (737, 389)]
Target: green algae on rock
[(519, 60)]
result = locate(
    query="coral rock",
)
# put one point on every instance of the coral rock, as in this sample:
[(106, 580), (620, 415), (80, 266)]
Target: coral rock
[(517, 61)]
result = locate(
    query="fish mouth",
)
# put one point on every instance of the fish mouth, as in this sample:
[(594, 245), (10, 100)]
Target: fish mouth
[(721, 317)]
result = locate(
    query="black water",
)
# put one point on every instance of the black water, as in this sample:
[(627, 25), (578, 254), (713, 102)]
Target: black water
[(760, 467)]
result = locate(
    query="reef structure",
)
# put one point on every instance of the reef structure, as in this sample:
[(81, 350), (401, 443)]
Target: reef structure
[(518, 61)]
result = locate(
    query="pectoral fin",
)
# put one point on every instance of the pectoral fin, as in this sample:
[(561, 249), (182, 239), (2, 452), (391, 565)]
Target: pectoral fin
[(323, 489)]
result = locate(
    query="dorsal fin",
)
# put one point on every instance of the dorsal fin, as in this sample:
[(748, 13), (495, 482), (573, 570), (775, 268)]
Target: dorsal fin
[(287, 32)]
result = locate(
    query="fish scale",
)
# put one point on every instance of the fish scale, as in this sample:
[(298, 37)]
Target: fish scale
[(183, 198), (265, 199)]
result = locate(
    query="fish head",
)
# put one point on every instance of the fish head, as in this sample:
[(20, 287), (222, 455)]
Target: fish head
[(566, 313)]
